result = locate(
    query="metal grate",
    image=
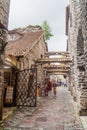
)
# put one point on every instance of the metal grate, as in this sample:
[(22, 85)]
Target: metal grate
[(26, 88)]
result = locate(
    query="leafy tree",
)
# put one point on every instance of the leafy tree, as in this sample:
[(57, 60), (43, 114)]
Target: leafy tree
[(47, 30)]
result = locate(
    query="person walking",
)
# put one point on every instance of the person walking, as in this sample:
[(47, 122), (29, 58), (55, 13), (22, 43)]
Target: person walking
[(54, 88)]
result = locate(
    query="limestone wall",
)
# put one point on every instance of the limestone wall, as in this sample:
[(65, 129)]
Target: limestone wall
[(83, 60), (72, 41), (77, 40), (76, 48), (4, 11)]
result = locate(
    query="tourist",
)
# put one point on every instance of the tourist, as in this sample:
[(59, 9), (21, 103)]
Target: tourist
[(54, 87)]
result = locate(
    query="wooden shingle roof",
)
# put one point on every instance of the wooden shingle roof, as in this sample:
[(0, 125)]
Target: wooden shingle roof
[(19, 46)]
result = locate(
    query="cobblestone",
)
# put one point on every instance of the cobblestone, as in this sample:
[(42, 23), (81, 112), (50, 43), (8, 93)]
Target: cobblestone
[(53, 113)]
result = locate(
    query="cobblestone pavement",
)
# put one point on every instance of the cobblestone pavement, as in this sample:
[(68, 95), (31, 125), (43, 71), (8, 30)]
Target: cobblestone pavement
[(53, 113)]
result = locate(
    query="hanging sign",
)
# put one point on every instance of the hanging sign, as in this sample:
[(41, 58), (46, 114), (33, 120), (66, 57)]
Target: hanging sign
[(9, 95)]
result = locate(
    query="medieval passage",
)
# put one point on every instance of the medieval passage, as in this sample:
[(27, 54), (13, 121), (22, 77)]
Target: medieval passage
[(42, 89)]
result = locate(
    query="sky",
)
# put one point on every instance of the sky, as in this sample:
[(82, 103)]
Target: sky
[(34, 12)]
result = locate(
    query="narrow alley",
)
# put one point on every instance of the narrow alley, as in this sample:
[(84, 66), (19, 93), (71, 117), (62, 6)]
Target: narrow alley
[(33, 66), (52, 113)]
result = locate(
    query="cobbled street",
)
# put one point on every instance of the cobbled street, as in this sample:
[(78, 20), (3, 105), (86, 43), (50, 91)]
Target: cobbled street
[(52, 113)]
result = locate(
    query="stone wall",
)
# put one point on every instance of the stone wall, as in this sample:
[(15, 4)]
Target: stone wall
[(83, 59), (77, 46), (72, 42), (4, 12), (36, 52)]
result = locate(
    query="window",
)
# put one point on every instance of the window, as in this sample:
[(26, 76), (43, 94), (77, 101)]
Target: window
[(11, 37)]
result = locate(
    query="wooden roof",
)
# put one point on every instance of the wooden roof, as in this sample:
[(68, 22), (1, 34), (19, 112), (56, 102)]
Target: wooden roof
[(26, 41)]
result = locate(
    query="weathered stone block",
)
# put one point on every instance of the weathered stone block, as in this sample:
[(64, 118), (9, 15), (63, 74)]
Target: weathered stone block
[(83, 103), (84, 93), (83, 85)]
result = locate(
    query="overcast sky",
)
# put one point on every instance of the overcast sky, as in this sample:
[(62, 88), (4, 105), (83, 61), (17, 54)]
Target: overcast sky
[(34, 12)]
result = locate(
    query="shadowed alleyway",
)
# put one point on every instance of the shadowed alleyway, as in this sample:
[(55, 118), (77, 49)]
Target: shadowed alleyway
[(53, 113)]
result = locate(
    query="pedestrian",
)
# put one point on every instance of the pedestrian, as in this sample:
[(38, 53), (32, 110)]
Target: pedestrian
[(54, 88), (49, 84), (46, 90)]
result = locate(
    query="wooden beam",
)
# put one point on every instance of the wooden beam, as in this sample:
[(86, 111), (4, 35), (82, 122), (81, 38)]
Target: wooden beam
[(56, 67), (57, 73), (58, 70), (53, 60), (64, 53)]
